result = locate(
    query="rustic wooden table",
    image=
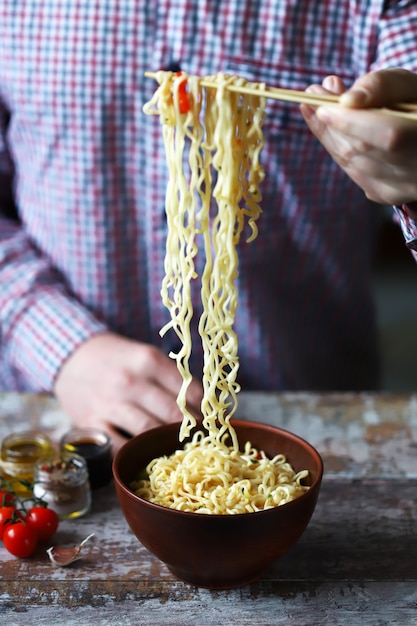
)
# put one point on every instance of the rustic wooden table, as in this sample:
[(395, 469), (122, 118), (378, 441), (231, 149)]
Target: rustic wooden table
[(355, 565)]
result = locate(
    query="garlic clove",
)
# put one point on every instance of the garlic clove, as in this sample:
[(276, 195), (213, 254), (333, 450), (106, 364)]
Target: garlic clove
[(62, 556)]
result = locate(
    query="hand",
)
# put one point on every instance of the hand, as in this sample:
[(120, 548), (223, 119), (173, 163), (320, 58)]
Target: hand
[(122, 386), (377, 150)]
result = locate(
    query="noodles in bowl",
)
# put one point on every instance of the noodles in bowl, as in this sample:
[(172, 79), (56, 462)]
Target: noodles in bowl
[(205, 478), (218, 551)]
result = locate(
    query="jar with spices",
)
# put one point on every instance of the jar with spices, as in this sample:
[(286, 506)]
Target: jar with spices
[(18, 456), (62, 482), (96, 448)]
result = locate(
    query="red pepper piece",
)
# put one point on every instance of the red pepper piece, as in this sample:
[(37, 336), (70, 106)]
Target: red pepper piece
[(183, 99)]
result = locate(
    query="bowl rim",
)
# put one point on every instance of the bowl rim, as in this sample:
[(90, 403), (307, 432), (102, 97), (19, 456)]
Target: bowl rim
[(119, 483)]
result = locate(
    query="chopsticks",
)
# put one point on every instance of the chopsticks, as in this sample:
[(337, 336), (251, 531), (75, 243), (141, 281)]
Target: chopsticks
[(403, 110)]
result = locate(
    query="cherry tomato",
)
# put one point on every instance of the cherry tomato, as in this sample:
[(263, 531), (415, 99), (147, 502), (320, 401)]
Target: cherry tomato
[(6, 497), (43, 521), (20, 539), (6, 514)]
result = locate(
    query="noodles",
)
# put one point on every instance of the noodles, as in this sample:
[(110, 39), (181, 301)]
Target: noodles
[(204, 478), (213, 154), (213, 139)]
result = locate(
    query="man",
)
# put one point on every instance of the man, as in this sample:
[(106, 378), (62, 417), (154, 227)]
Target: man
[(80, 272)]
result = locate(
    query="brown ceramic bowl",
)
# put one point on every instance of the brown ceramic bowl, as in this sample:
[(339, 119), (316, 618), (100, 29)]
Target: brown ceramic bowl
[(217, 551)]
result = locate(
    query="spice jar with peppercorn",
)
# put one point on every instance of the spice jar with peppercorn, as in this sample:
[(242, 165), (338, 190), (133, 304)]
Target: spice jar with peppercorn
[(62, 481)]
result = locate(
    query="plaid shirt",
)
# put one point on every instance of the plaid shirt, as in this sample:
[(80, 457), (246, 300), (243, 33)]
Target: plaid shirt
[(86, 170)]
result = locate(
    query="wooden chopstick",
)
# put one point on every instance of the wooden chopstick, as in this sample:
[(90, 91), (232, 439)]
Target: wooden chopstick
[(404, 110)]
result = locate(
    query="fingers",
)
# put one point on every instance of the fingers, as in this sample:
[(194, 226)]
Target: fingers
[(331, 84), (143, 406), (382, 88), (127, 420), (145, 395), (368, 126), (379, 89), (154, 404), (150, 405), (390, 136), (152, 364), (155, 373), (122, 386)]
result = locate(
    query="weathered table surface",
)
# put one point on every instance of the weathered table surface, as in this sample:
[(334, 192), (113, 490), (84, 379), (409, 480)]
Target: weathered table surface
[(356, 563)]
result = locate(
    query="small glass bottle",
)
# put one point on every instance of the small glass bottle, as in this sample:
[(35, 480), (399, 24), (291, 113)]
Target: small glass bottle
[(62, 482), (96, 448), (19, 453)]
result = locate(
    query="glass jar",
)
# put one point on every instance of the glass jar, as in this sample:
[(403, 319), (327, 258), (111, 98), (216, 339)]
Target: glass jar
[(96, 448), (62, 482), (18, 456)]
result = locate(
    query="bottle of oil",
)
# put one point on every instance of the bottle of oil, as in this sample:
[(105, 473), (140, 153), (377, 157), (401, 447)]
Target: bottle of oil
[(18, 456)]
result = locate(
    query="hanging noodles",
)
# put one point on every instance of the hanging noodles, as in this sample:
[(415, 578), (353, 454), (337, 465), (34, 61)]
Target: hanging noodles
[(213, 139)]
